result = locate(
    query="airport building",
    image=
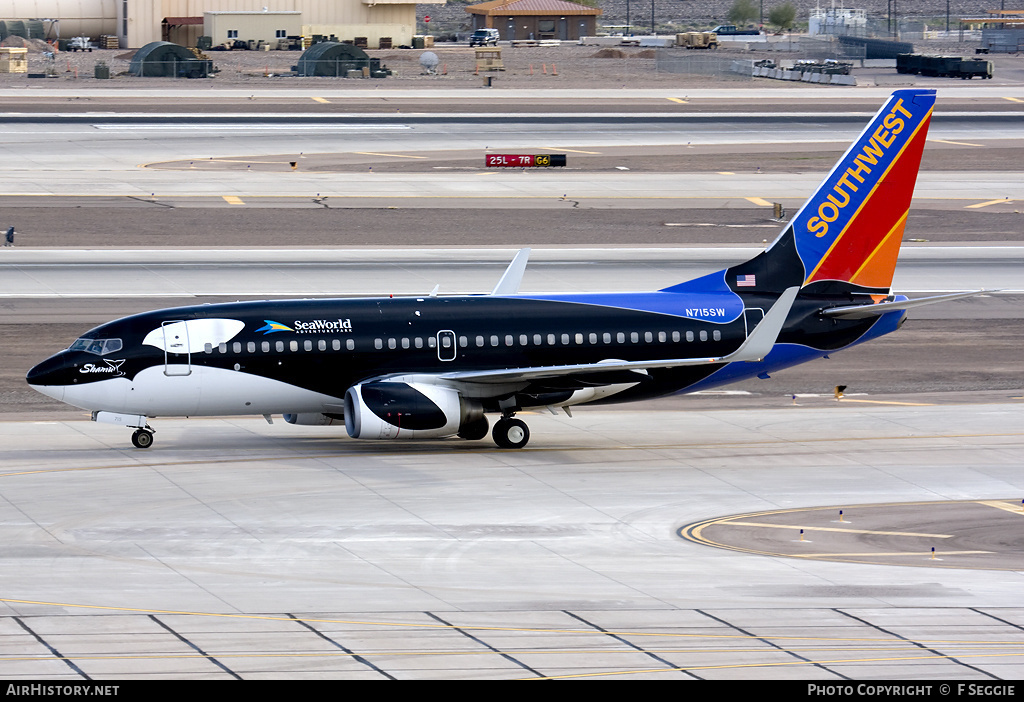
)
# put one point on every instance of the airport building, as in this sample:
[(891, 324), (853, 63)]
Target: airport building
[(536, 19), (139, 22)]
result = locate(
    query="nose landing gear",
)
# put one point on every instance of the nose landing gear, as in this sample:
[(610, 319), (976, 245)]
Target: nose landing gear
[(142, 438)]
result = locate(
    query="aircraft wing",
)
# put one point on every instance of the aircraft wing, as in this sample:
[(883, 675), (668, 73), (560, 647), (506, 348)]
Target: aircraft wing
[(880, 308), (756, 346)]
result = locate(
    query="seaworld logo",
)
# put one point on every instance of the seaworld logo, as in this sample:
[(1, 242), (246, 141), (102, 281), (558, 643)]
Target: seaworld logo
[(272, 326), (316, 325)]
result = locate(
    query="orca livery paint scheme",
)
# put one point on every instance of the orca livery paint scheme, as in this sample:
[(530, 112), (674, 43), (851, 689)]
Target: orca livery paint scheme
[(436, 366)]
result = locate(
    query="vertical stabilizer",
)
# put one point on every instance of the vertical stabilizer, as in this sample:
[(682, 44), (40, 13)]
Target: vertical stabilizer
[(847, 236)]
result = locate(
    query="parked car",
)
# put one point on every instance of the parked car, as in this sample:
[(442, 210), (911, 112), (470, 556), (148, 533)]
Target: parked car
[(483, 37), (79, 44)]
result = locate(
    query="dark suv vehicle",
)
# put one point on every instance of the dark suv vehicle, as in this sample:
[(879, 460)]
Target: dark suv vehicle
[(483, 37)]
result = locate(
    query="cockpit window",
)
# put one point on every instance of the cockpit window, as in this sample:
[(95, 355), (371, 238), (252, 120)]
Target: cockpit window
[(100, 347)]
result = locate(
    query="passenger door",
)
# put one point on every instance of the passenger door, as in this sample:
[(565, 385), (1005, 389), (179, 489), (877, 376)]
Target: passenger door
[(177, 352)]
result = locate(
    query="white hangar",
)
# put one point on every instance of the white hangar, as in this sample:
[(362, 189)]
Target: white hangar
[(139, 22)]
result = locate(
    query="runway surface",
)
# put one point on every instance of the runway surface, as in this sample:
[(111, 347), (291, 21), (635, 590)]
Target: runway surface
[(240, 549), (69, 273)]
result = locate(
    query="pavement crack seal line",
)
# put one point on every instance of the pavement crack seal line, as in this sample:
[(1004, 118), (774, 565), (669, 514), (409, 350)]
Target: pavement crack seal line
[(336, 644), (483, 643), (917, 643), (774, 645), (671, 666), (57, 654), (151, 201), (195, 648)]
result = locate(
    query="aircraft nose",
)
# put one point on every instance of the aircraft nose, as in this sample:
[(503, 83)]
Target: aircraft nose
[(48, 377)]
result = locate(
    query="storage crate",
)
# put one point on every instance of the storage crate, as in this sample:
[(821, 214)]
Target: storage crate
[(13, 59)]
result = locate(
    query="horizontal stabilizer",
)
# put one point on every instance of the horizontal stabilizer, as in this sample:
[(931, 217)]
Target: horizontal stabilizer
[(874, 310), (754, 348)]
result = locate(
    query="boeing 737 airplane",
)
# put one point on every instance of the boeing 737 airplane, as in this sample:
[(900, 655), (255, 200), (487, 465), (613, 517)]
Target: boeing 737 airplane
[(436, 366)]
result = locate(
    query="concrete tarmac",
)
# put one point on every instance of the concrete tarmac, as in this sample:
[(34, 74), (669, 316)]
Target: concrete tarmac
[(235, 548)]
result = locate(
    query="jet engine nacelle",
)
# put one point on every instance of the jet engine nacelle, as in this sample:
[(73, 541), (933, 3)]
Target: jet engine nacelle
[(400, 410), (313, 419)]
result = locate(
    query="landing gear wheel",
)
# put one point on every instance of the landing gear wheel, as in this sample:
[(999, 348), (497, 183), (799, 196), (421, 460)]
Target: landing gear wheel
[(142, 438), (474, 431), (511, 433)]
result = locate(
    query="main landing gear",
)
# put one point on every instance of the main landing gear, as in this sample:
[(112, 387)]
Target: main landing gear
[(142, 438), (510, 433)]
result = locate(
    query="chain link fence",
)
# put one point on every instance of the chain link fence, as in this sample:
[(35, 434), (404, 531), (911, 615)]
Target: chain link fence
[(686, 62)]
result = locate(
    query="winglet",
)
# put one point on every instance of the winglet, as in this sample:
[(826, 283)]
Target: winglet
[(513, 276), (762, 340)]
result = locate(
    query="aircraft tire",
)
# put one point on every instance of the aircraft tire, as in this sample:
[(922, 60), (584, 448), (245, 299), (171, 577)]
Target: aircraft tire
[(511, 433), (142, 439)]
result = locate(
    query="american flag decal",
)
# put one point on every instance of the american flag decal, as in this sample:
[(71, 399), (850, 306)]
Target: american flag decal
[(746, 281)]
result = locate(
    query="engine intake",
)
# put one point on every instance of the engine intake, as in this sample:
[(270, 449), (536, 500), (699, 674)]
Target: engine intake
[(400, 410)]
